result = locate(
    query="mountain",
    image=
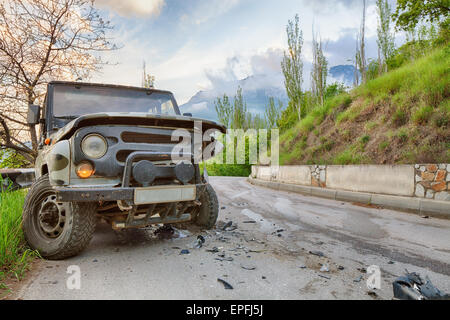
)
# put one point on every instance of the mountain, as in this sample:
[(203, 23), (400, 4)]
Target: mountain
[(256, 89), (343, 73)]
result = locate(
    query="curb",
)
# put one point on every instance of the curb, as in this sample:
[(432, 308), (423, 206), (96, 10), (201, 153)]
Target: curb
[(433, 208)]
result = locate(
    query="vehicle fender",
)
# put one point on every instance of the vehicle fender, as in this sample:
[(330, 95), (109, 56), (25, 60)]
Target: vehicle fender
[(59, 162)]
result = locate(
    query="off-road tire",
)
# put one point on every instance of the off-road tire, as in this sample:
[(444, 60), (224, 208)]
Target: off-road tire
[(207, 213), (76, 233)]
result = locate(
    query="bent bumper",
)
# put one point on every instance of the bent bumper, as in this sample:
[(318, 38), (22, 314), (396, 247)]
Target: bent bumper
[(133, 196)]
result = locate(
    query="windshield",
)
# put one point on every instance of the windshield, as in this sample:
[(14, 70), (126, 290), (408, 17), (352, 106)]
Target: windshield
[(70, 101)]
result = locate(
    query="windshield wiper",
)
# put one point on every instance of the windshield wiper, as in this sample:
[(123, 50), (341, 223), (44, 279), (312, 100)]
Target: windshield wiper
[(66, 117)]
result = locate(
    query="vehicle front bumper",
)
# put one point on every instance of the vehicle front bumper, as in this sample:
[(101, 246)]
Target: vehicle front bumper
[(132, 196)]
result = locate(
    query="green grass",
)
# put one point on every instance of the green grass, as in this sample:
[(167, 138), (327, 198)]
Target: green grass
[(14, 255), (401, 110), (227, 170)]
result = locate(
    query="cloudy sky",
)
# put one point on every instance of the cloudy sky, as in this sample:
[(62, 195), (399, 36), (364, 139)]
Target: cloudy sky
[(192, 45)]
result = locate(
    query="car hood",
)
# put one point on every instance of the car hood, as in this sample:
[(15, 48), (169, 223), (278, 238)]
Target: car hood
[(134, 119)]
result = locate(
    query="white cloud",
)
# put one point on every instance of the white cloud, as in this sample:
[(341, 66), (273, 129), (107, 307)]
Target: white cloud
[(129, 8), (208, 11)]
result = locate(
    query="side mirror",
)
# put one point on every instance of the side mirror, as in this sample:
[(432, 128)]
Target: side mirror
[(187, 114), (34, 113)]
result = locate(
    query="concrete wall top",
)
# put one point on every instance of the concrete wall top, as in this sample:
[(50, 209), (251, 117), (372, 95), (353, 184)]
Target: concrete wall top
[(383, 179)]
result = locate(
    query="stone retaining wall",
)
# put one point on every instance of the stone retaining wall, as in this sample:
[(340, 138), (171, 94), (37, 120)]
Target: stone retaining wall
[(428, 181), (432, 181)]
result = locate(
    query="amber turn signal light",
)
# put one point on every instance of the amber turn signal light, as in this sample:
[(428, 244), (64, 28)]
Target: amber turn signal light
[(47, 141), (85, 170)]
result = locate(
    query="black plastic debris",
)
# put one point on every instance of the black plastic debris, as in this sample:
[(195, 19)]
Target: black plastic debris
[(341, 268), (213, 250), (229, 226), (225, 284), (199, 242), (185, 251), (323, 276), (223, 208), (412, 287), (373, 294), (249, 221), (317, 253)]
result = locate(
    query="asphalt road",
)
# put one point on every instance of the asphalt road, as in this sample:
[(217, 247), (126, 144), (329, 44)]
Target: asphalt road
[(267, 259)]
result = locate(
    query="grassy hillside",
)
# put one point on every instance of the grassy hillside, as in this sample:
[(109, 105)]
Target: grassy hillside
[(400, 117)]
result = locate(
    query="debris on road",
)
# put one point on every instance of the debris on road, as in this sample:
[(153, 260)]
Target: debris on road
[(325, 277), (248, 267), (249, 221), (185, 251), (317, 253), (373, 294), (412, 287), (165, 232), (225, 284), (358, 279), (199, 242), (302, 267), (324, 268), (229, 226), (341, 268), (213, 250)]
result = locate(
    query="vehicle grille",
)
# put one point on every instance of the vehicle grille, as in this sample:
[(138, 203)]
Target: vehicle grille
[(151, 138)]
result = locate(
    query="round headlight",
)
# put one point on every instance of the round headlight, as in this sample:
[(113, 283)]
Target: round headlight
[(94, 146)]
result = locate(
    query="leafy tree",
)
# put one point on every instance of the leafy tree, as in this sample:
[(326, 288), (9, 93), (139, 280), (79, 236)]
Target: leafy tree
[(319, 71), (410, 12), (240, 117), (292, 65), (360, 56), (224, 110), (385, 39), (273, 113)]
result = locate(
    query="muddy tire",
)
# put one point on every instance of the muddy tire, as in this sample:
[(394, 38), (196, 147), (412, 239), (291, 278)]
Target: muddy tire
[(208, 212), (57, 230)]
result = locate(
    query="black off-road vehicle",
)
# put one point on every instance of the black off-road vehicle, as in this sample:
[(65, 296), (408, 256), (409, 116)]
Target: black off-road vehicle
[(113, 151)]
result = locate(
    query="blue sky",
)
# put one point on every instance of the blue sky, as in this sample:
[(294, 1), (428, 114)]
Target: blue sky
[(192, 45)]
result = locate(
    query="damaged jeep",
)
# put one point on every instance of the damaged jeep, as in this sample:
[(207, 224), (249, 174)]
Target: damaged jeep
[(113, 152)]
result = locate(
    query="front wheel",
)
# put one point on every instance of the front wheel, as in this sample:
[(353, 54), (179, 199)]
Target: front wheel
[(57, 230), (207, 213)]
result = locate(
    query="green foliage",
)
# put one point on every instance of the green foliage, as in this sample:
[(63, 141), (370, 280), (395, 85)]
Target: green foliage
[(292, 65), (413, 98), (273, 113), (227, 170), (11, 159), (423, 114), (385, 39), (14, 256), (410, 12)]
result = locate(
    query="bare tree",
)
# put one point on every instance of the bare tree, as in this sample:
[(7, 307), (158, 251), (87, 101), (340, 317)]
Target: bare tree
[(292, 64), (41, 41)]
